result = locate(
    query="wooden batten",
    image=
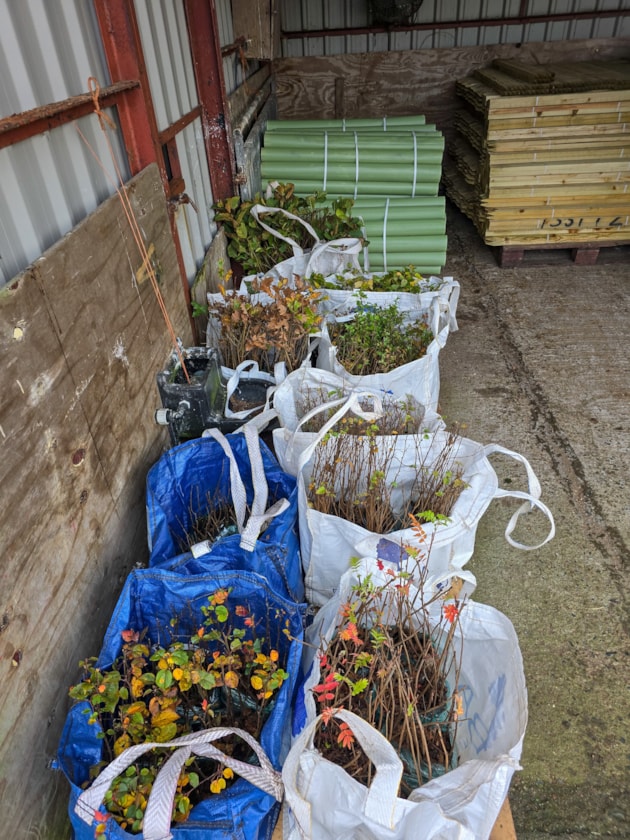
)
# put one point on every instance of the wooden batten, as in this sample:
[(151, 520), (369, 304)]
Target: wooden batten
[(544, 167)]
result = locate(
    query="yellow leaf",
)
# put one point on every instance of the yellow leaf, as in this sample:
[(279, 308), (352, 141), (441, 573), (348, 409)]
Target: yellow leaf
[(185, 684), (231, 679), (178, 674), (217, 785), (121, 744), (167, 715), (257, 683), (164, 733), (137, 687), (274, 655), (228, 773), (136, 707)]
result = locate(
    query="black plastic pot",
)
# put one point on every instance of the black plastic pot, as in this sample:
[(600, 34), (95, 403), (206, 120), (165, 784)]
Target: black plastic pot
[(191, 407), (188, 408)]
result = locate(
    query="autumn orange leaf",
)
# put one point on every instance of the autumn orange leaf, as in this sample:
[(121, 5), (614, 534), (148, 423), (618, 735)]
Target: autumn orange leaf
[(328, 714), (349, 634), (346, 737), (450, 612)]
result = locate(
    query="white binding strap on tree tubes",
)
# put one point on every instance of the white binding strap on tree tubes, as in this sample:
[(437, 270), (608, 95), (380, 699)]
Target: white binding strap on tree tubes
[(415, 163), (343, 124), (366, 253), (385, 234), (356, 164), (325, 161), (384, 123)]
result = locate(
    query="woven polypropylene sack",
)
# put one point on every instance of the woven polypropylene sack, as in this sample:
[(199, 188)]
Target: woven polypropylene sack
[(328, 542), (150, 599), (188, 480), (326, 803)]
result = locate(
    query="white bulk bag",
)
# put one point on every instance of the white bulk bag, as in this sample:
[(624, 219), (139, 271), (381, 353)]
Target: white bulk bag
[(328, 542), (420, 377), (325, 257), (343, 301), (325, 803), (335, 396)]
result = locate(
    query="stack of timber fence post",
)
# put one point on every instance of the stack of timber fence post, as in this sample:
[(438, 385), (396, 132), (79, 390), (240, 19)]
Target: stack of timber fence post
[(541, 156)]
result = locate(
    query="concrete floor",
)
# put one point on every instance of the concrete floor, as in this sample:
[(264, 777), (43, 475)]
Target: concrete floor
[(541, 365)]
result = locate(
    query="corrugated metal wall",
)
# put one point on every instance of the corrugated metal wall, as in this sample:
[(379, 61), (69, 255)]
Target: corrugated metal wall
[(300, 15), (232, 68), (235, 69), (51, 182), (166, 49)]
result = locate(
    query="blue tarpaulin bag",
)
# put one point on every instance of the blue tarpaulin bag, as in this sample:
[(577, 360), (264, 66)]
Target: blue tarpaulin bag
[(247, 810), (193, 479)]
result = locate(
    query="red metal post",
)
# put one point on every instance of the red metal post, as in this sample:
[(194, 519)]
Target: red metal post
[(123, 50), (203, 32), (121, 42)]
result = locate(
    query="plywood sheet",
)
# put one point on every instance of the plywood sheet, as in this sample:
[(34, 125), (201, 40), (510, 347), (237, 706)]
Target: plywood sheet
[(408, 82), (81, 340)]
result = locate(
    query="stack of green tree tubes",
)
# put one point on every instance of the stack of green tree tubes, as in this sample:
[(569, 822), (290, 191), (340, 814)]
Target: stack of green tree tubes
[(367, 123), (404, 231), (405, 162), (390, 166)]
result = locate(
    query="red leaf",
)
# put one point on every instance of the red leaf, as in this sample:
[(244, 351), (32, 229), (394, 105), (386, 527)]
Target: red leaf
[(450, 612), (346, 737)]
